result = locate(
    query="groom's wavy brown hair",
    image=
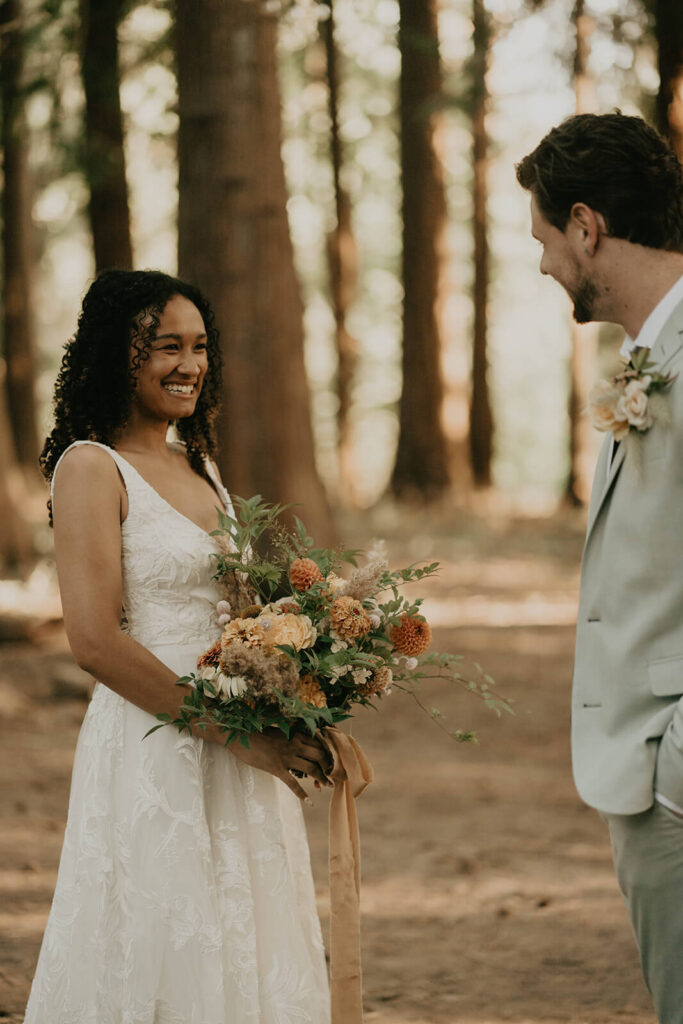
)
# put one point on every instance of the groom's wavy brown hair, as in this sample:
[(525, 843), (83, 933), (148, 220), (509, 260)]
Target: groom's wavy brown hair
[(97, 377), (617, 165)]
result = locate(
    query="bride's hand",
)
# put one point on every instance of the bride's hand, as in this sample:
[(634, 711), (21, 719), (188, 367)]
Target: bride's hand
[(272, 752)]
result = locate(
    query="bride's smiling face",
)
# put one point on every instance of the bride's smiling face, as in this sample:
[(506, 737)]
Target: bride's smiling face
[(170, 379)]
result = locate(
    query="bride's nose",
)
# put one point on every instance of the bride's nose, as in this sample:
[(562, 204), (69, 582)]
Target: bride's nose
[(190, 363)]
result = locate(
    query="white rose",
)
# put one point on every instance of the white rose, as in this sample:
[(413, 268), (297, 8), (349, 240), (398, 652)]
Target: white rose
[(634, 405), (208, 672), (338, 645), (411, 663), (603, 405)]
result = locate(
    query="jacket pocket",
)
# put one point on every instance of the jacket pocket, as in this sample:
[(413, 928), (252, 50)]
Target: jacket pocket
[(666, 676)]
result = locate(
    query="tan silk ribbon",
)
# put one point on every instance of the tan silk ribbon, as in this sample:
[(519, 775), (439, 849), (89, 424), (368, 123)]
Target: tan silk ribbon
[(351, 773)]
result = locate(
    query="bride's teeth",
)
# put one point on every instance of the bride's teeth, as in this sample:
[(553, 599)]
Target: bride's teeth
[(181, 389)]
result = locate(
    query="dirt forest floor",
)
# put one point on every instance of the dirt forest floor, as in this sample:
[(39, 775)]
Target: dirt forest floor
[(488, 893)]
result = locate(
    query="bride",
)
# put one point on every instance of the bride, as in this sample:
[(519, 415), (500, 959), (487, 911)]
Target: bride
[(184, 893)]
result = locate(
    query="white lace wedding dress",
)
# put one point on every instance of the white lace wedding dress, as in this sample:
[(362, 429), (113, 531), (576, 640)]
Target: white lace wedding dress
[(184, 893)]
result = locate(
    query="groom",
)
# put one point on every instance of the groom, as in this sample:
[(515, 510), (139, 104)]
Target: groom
[(607, 209)]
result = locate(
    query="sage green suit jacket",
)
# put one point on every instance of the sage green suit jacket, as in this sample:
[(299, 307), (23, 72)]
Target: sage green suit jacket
[(627, 701)]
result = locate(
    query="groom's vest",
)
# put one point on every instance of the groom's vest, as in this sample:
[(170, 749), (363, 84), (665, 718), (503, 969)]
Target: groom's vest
[(628, 675)]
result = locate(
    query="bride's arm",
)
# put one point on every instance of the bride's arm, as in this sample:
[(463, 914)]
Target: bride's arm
[(87, 508)]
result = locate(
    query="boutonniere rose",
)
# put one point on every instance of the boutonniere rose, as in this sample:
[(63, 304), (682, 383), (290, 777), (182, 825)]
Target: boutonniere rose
[(629, 403)]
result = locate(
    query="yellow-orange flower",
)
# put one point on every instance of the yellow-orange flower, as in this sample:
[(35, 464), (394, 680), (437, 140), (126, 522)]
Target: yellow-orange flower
[(310, 692), (348, 618), (243, 631), (412, 637), (303, 573)]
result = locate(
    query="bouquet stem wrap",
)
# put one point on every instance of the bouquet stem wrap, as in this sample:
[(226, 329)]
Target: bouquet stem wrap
[(351, 773)]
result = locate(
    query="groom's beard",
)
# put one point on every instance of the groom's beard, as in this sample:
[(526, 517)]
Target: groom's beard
[(584, 298)]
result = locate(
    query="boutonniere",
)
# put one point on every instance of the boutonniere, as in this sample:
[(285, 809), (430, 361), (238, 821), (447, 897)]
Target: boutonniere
[(632, 401)]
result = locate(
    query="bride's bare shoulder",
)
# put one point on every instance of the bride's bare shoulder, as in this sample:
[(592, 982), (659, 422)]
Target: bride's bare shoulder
[(86, 462), (87, 477)]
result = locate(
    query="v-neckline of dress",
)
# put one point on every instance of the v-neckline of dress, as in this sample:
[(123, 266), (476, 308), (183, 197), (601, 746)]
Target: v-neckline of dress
[(168, 504)]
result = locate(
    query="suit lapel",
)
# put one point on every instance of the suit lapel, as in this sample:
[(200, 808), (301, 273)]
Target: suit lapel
[(667, 345), (608, 478)]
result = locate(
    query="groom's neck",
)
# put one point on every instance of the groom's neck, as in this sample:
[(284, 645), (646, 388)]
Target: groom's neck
[(634, 279)]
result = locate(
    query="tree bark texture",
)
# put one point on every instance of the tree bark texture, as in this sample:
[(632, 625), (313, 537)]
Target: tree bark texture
[(16, 542), (17, 317), (342, 257), (421, 469), (584, 340), (234, 243), (669, 35), (105, 164), (481, 418)]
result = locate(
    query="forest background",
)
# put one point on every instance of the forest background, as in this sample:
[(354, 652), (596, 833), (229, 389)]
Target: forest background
[(338, 177)]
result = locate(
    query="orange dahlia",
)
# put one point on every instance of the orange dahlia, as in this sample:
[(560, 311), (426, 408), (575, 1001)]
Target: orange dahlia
[(412, 637), (289, 608), (210, 657), (348, 618), (379, 682), (303, 573), (310, 692)]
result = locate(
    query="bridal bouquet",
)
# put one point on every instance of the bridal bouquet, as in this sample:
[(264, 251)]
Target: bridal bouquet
[(301, 644)]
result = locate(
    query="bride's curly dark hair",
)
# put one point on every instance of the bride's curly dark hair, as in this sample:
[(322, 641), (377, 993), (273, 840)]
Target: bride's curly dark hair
[(97, 378)]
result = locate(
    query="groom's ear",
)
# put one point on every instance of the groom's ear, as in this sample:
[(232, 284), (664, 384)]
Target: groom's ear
[(586, 225)]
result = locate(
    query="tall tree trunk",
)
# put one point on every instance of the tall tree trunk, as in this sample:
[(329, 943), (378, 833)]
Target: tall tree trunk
[(342, 255), (421, 468), (669, 34), (16, 544), (17, 318), (234, 243), (584, 341), (105, 164), (481, 419)]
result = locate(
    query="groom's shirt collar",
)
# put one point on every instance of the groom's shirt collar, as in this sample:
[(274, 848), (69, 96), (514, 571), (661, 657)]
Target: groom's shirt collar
[(652, 327)]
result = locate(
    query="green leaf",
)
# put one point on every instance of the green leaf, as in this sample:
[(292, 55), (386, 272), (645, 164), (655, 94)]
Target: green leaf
[(154, 729)]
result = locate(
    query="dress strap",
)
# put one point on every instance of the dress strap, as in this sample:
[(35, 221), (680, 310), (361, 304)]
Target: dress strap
[(125, 469), (219, 485)]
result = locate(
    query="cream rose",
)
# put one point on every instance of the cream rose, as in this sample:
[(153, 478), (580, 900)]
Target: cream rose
[(605, 412), (634, 404), (294, 630)]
